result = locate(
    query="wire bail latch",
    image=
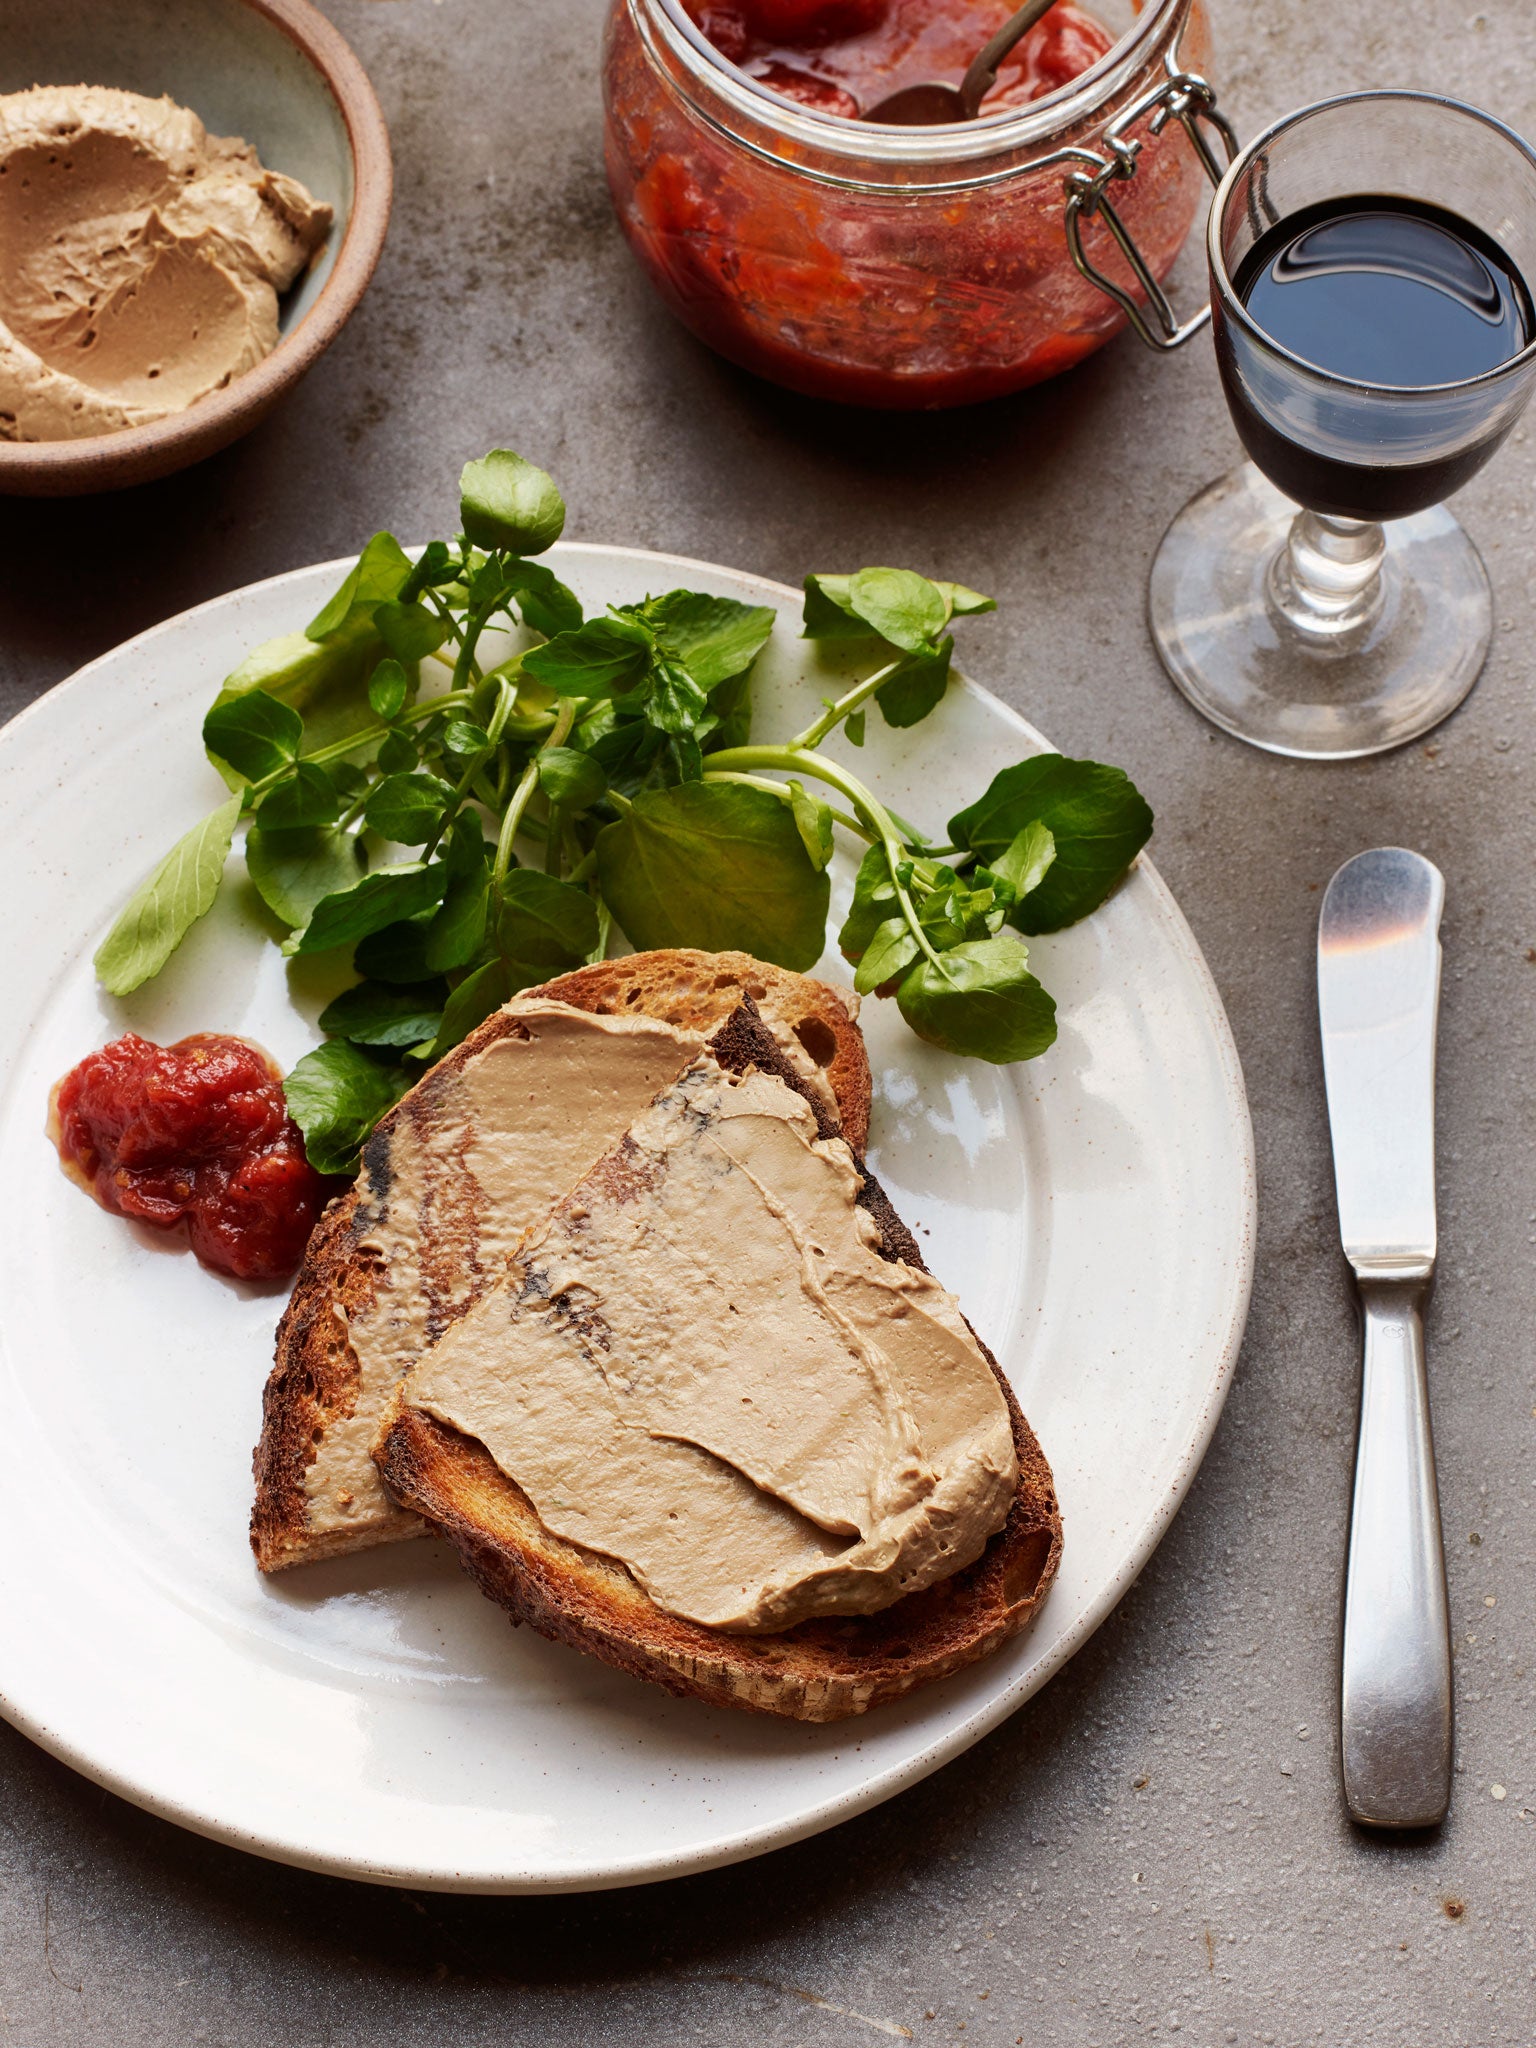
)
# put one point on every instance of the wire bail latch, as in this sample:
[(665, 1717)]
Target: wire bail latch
[(1191, 101)]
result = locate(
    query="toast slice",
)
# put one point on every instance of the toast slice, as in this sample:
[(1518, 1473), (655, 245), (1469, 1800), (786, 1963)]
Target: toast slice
[(820, 1670), (318, 1492)]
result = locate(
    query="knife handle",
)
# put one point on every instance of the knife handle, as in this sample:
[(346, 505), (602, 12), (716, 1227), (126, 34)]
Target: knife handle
[(1396, 1696)]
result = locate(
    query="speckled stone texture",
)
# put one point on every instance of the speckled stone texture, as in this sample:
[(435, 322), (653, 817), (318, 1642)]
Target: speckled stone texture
[(1155, 1847)]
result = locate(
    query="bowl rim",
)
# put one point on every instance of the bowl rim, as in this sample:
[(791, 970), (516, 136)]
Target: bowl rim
[(216, 419)]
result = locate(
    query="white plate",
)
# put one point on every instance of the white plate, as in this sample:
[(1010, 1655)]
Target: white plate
[(375, 1716)]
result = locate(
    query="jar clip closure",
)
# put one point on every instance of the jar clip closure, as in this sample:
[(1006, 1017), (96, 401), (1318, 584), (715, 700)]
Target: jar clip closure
[(1191, 101)]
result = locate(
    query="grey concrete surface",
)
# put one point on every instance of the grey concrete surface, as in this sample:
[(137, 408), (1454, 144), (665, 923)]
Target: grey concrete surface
[(1154, 1848)]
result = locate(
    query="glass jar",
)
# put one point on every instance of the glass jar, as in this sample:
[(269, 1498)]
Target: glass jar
[(905, 267)]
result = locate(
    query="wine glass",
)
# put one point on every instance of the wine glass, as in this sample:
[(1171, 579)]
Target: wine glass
[(1363, 619)]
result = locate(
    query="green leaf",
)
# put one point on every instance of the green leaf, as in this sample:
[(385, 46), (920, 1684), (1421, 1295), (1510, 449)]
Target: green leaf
[(603, 658), (544, 601), (485, 584), (410, 631), (894, 605), (336, 1094), (457, 930), (716, 865), (381, 898), (731, 704), (874, 901), (472, 1002), (398, 954), (853, 727), (282, 667), (327, 684), (377, 574), (936, 916), (461, 736), (954, 912), (372, 1014), (1096, 815), (254, 735), (983, 1003), (813, 821), (162, 910), (1027, 860), (388, 688), (686, 756), (900, 606), (889, 953), (397, 753), (676, 702), (714, 638), (323, 673), (306, 797), (626, 751), (829, 613), (436, 564), (505, 503), (918, 685), (293, 871), (907, 611), (964, 603), (570, 778), (407, 808), (543, 923), (595, 723)]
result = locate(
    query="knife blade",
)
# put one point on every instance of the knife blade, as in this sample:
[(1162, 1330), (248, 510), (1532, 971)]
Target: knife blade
[(1378, 998), (1378, 984)]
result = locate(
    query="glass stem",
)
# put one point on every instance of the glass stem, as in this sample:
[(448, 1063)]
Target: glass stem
[(1326, 583)]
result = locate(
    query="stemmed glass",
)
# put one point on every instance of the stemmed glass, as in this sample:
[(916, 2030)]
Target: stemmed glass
[(1363, 619)]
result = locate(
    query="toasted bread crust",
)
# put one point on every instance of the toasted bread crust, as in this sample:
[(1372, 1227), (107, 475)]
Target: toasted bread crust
[(818, 1671), (313, 1383), (315, 1376), (821, 1670)]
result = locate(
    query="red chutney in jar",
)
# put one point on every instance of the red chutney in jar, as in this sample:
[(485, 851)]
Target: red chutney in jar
[(195, 1133), (845, 268), (842, 56)]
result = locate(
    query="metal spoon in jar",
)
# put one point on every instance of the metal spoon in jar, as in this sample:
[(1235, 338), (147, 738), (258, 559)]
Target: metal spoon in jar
[(935, 104)]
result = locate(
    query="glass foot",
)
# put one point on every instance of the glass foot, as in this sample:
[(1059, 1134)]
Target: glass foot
[(1383, 671)]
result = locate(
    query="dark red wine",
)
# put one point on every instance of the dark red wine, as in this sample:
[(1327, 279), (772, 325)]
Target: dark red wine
[(1391, 294), (1385, 292)]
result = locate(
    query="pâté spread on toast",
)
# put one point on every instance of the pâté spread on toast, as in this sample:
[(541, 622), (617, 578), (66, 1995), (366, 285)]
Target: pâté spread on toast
[(648, 1344), (700, 1365), (474, 1155)]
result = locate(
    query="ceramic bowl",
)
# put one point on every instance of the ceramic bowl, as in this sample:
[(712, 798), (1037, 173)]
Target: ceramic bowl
[(276, 72)]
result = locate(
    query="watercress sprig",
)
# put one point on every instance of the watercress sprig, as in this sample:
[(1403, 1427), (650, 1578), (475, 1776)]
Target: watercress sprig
[(599, 778)]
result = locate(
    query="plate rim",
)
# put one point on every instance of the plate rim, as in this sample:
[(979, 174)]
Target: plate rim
[(750, 1841)]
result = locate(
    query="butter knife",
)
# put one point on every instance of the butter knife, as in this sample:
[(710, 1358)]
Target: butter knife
[(1378, 988)]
